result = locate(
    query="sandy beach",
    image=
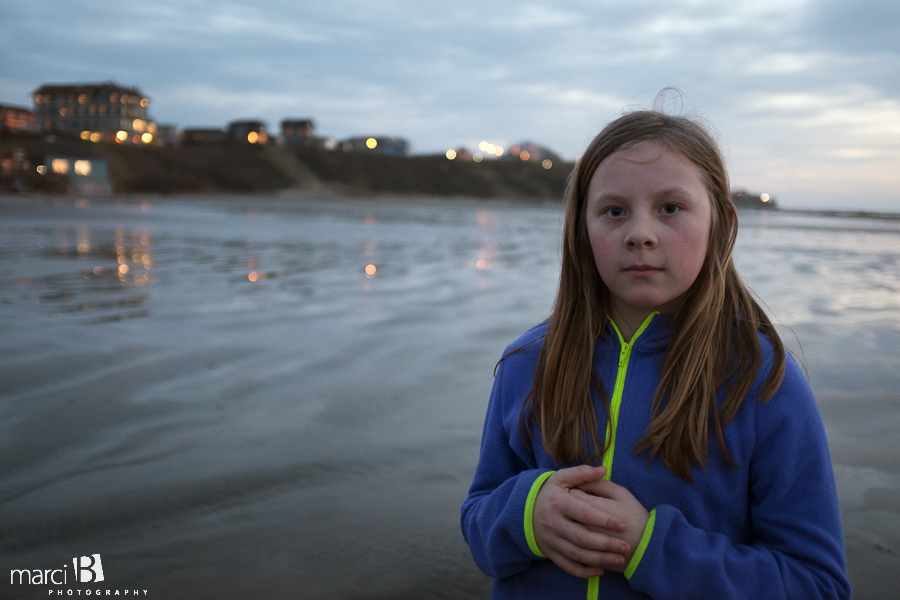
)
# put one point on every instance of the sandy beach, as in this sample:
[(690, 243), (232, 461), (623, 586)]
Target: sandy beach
[(217, 397)]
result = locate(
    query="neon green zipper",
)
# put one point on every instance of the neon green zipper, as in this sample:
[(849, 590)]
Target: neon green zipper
[(616, 401), (593, 588)]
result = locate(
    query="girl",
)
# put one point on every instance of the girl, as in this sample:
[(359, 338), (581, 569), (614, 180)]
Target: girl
[(653, 438)]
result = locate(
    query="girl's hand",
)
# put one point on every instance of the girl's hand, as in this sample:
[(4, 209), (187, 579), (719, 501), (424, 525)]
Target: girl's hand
[(608, 497), (573, 530)]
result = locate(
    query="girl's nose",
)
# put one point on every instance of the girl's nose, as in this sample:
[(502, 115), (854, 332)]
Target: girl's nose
[(642, 233)]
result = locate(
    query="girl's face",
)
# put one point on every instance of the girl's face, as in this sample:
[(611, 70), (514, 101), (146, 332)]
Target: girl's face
[(649, 215)]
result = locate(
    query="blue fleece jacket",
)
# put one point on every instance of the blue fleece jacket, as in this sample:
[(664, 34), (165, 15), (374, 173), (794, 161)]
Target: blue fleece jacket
[(769, 529)]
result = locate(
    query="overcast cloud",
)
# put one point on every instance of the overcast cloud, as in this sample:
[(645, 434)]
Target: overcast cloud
[(803, 95)]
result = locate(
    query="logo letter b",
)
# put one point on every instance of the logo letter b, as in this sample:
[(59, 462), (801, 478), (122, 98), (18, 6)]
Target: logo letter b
[(91, 569)]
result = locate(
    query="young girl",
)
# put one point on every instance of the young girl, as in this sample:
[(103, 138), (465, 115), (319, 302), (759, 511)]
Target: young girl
[(653, 438)]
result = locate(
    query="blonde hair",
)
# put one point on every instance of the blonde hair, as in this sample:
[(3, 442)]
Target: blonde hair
[(714, 339)]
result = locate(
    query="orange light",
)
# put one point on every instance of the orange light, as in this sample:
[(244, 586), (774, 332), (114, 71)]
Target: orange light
[(370, 271), (253, 276), (525, 155), (252, 137)]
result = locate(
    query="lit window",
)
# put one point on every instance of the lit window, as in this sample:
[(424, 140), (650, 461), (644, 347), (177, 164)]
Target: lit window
[(82, 167), (60, 166)]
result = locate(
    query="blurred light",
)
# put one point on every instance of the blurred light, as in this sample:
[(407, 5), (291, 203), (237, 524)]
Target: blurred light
[(483, 146), (498, 150), (85, 135), (60, 166), (42, 169), (547, 163), (263, 138), (145, 102), (371, 143), (82, 167), (122, 136), (253, 276), (370, 271), (96, 137), (252, 137), (484, 219), (477, 157), (82, 98), (98, 270), (138, 125), (136, 139), (147, 138), (524, 155), (490, 148), (369, 219), (451, 154), (764, 197), (123, 269), (482, 264)]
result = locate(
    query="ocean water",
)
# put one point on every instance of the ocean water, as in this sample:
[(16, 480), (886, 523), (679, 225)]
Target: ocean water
[(283, 397)]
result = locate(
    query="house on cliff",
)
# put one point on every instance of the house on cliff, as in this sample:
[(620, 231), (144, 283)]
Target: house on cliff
[(253, 132), (16, 118), (95, 111), (381, 144)]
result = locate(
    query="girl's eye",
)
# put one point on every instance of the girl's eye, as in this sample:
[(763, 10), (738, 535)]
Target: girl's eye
[(669, 209), (614, 212)]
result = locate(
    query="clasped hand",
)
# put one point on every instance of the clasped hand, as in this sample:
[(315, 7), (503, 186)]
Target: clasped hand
[(586, 524)]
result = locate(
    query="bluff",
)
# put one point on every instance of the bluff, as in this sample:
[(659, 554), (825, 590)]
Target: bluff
[(247, 168)]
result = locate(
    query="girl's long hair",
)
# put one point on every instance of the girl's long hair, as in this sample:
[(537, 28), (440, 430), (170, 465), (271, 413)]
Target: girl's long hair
[(714, 341)]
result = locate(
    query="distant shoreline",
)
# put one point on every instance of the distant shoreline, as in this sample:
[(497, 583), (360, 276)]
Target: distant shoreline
[(857, 214)]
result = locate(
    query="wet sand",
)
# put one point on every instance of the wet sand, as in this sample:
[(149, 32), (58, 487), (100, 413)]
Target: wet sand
[(242, 412)]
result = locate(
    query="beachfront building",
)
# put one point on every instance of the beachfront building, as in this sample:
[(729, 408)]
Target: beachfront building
[(253, 132), (381, 144), (200, 135), (532, 152), (94, 111), (298, 131), (16, 118)]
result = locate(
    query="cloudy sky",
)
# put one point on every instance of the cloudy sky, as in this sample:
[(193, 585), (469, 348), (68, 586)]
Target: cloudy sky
[(804, 95)]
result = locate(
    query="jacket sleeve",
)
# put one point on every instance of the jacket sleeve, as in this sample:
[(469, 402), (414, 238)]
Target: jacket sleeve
[(494, 521), (799, 547)]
